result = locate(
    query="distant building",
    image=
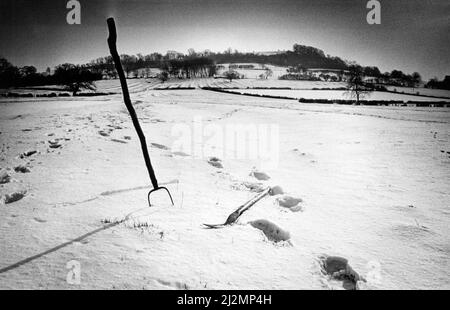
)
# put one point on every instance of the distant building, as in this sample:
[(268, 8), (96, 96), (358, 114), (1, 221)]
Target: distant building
[(173, 55), (320, 73), (371, 80), (242, 66), (269, 53)]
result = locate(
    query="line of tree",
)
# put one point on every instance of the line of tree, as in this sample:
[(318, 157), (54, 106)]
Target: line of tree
[(395, 77), (435, 83), (308, 56), (201, 64), (72, 77), (11, 75), (190, 67), (204, 64), (398, 78)]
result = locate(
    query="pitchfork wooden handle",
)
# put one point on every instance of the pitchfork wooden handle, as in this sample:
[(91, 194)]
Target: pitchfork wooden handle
[(126, 97)]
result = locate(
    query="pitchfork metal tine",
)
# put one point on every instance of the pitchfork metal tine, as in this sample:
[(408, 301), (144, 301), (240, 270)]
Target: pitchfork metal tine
[(156, 189)]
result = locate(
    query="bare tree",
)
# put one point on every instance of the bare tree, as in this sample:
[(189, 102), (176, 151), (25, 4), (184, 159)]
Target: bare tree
[(416, 79), (75, 77), (268, 73), (355, 83), (163, 76), (148, 71), (231, 75), (128, 63)]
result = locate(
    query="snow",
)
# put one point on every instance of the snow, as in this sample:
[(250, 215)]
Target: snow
[(372, 184)]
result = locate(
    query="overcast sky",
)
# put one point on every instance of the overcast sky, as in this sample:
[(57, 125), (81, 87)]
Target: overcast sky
[(413, 35)]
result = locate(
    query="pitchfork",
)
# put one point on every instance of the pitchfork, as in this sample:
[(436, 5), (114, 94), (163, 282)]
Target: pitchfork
[(126, 98)]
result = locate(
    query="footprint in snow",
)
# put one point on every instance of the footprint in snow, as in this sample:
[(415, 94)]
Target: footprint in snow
[(276, 190), (159, 146), (215, 162), (21, 169), (4, 177), (261, 176), (182, 154), (119, 141), (254, 187), (39, 220), (297, 151), (16, 196), (54, 144), (290, 203), (173, 285), (338, 268), (27, 154), (271, 230)]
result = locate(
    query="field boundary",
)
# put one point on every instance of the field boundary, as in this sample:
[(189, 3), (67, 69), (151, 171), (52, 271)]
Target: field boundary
[(399, 103), (415, 94), (226, 91)]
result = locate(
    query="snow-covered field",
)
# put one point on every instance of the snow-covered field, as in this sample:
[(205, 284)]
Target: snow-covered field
[(374, 184), (140, 85)]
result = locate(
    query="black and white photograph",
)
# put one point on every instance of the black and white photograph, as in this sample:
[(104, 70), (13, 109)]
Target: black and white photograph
[(225, 145)]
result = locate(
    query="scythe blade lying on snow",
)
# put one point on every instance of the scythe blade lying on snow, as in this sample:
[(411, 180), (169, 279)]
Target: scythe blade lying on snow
[(126, 98), (233, 217)]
